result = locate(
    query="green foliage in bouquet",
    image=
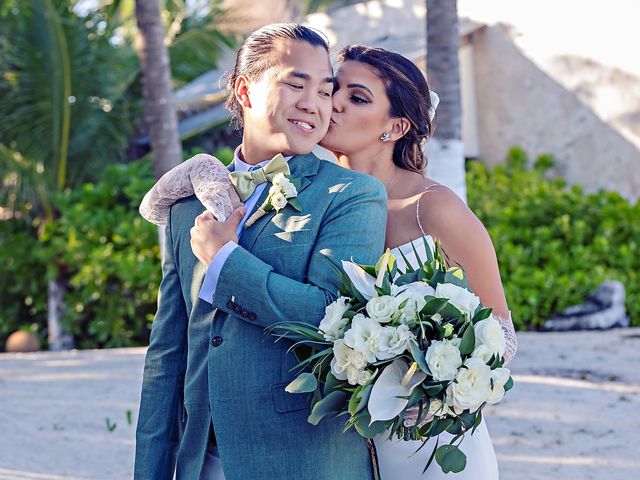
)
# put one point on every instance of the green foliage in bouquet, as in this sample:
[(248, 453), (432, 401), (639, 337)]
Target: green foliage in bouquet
[(391, 350), (108, 256), (554, 243)]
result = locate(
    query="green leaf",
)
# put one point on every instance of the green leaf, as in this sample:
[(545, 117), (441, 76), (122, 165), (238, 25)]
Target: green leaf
[(509, 385), (303, 383), (332, 404), (418, 357), (367, 430), (359, 400), (481, 314), (406, 278), (434, 305), (468, 342), (451, 458), (295, 203)]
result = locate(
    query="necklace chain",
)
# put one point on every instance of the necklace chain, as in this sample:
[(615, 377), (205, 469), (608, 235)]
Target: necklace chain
[(393, 179)]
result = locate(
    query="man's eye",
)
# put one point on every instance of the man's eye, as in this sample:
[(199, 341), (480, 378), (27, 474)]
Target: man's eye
[(324, 93), (293, 85)]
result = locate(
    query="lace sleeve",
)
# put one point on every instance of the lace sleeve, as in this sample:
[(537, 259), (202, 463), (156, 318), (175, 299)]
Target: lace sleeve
[(510, 337), (202, 175)]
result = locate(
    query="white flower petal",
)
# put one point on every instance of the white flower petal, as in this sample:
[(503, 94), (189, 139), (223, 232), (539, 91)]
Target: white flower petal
[(363, 282), (383, 402)]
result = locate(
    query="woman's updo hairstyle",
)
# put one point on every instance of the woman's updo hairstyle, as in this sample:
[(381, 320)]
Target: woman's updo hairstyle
[(409, 97)]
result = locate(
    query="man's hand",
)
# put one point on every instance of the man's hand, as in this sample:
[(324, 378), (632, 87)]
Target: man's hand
[(208, 235)]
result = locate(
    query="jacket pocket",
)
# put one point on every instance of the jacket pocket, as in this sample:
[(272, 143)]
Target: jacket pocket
[(285, 402)]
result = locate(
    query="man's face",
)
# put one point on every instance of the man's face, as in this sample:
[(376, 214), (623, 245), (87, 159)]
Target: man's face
[(289, 106)]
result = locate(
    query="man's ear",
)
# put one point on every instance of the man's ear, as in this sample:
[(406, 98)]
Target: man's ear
[(399, 128), (241, 91)]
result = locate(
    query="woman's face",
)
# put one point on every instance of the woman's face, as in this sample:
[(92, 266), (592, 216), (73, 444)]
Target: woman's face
[(360, 110)]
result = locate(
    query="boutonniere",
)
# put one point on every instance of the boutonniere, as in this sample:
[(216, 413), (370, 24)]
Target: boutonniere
[(283, 191)]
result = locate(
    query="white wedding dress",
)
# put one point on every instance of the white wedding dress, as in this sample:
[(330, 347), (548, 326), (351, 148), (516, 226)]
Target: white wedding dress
[(396, 459)]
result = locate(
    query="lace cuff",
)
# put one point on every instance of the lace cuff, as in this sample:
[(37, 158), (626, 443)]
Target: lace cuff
[(510, 337), (202, 175)]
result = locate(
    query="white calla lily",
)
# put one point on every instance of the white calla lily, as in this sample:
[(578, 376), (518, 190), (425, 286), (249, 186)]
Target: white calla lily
[(363, 282), (384, 403)]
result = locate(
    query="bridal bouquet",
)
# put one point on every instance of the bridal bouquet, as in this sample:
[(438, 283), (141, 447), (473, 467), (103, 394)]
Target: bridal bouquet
[(412, 353)]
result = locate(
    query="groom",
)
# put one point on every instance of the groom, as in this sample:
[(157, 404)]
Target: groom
[(214, 381)]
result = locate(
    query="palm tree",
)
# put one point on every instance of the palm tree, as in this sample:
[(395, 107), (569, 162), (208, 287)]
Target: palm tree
[(159, 109), (446, 150), (66, 111)]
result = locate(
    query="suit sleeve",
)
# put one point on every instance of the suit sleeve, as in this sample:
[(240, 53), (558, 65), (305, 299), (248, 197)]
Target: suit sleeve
[(160, 415), (353, 228)]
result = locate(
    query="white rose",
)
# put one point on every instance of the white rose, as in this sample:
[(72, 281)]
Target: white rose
[(472, 386), (499, 376), (413, 294), (381, 308), (278, 201), (459, 297), (394, 342), (287, 187), (439, 409), (444, 359), (482, 352), (364, 336), (489, 332), (347, 364), (333, 323)]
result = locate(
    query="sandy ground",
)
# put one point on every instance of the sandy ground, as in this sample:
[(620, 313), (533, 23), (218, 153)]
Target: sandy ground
[(574, 413)]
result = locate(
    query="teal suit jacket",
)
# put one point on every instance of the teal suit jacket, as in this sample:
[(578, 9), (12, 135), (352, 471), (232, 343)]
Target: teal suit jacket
[(213, 364)]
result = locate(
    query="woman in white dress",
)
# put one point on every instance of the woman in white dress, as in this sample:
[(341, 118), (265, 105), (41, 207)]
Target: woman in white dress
[(382, 113)]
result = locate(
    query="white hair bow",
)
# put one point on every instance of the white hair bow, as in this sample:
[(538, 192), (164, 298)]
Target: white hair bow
[(435, 100)]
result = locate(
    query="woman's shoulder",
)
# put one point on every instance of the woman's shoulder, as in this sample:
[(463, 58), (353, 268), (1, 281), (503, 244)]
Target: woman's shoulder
[(441, 209)]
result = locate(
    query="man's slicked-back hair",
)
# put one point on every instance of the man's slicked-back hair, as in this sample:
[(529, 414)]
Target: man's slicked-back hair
[(254, 57)]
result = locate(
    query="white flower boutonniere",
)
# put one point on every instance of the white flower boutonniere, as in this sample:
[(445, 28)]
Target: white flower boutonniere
[(283, 191)]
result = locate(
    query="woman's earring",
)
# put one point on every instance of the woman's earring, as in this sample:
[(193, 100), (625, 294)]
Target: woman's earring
[(385, 137)]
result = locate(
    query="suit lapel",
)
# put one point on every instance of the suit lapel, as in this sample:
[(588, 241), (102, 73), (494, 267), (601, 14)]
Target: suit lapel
[(302, 167)]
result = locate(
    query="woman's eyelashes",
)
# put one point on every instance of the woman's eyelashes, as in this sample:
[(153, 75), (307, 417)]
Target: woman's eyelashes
[(358, 99)]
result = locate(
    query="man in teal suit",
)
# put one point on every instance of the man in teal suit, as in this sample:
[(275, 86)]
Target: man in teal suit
[(214, 381)]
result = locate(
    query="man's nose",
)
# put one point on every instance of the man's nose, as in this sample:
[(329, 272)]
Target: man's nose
[(309, 102)]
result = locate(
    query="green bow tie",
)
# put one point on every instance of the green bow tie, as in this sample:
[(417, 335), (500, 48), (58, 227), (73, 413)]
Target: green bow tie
[(245, 183)]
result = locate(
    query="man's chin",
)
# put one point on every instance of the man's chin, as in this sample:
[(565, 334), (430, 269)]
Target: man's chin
[(299, 148)]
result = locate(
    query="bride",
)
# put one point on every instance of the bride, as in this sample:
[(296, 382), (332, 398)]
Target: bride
[(382, 113)]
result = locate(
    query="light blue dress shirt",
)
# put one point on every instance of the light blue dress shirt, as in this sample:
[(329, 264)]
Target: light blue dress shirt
[(215, 267)]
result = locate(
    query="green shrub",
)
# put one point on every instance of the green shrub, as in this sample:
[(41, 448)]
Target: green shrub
[(23, 286), (108, 256), (554, 243)]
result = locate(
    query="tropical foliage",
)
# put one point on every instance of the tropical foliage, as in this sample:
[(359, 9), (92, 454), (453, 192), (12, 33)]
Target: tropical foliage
[(555, 243)]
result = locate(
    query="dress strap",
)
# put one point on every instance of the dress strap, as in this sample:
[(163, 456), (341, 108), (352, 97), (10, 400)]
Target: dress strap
[(418, 206)]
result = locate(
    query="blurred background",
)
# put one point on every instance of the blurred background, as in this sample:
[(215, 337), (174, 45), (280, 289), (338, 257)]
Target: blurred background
[(538, 130), (544, 100)]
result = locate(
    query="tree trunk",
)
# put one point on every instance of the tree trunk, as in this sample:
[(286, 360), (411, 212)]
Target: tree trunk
[(159, 110), (57, 338), (445, 149)]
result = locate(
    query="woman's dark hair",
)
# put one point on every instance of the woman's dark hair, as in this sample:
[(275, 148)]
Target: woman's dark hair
[(408, 94), (254, 57)]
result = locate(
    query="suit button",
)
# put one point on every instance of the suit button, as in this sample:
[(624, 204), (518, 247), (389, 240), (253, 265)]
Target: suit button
[(216, 341), (230, 304)]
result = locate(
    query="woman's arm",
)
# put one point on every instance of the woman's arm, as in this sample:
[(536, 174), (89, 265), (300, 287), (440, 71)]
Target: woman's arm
[(467, 244)]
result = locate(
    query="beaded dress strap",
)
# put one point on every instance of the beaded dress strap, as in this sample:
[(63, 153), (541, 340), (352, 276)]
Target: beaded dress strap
[(418, 206)]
